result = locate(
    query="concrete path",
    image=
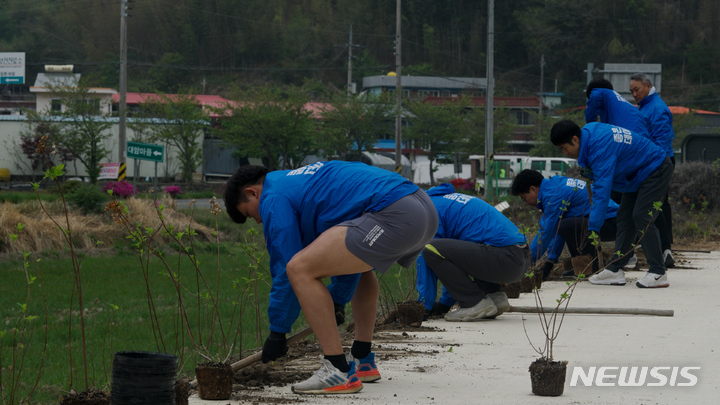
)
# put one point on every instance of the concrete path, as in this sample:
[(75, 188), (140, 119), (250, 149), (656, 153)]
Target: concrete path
[(489, 360)]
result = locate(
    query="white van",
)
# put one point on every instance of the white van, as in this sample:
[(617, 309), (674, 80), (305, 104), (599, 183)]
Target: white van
[(548, 166), (505, 167)]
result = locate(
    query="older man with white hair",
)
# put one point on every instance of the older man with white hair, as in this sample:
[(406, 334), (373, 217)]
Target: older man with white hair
[(660, 119)]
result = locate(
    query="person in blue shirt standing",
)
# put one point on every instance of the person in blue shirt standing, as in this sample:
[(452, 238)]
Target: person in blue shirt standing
[(331, 219), (617, 159), (565, 203), (476, 249), (660, 120), (612, 108)]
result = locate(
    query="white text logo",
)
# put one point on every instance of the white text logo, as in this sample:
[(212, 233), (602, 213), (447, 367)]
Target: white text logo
[(634, 376)]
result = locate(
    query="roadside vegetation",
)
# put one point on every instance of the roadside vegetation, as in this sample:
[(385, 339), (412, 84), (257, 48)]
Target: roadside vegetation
[(38, 284)]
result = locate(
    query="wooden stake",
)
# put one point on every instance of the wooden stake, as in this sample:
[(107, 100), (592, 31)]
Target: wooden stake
[(603, 311)]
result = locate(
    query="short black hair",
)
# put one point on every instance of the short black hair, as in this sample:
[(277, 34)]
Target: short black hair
[(598, 84), (524, 180), (563, 131), (244, 176)]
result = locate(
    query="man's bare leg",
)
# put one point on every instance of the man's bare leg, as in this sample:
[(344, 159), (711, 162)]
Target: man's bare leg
[(364, 306), (325, 257)]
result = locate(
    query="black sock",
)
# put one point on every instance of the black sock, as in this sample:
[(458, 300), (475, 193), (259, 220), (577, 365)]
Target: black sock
[(360, 350), (339, 362)]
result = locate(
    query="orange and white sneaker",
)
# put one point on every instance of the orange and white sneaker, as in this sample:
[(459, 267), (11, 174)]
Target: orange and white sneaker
[(366, 369), (329, 380)]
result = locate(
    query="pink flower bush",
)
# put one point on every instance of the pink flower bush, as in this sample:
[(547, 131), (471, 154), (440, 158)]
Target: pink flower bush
[(173, 191), (120, 188)]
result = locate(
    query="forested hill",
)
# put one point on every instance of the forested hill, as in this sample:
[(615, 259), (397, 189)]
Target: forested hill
[(208, 44)]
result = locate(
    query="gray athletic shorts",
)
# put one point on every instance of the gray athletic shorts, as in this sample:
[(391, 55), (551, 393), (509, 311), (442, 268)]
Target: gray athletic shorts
[(395, 234)]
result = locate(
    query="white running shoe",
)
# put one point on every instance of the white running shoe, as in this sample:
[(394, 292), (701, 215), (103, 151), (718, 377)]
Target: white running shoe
[(632, 263), (608, 277), (500, 299), (668, 258), (483, 309), (652, 280), (329, 380)]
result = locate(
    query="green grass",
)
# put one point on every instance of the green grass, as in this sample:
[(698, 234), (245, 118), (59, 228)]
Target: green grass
[(17, 197), (117, 280)]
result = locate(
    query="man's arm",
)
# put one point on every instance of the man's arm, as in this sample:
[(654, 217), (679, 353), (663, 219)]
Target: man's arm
[(661, 128), (594, 104), (603, 171), (282, 235)]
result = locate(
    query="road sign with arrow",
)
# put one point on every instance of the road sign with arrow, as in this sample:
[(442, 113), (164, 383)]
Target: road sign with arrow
[(145, 151)]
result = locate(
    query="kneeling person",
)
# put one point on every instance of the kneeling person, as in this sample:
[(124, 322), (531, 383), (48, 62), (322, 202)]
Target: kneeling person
[(565, 203), (476, 249)]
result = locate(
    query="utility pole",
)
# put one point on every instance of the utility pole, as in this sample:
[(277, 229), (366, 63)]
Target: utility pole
[(122, 109), (398, 93), (540, 107), (349, 82), (490, 102)]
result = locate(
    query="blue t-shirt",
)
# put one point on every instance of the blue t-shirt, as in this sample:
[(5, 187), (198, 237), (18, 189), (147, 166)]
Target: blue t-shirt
[(561, 197), (613, 109), (296, 206), (617, 160)]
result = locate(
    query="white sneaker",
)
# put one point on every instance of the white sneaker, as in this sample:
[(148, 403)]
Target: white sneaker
[(632, 263), (668, 258), (483, 309), (500, 299), (329, 380), (608, 277), (652, 280)]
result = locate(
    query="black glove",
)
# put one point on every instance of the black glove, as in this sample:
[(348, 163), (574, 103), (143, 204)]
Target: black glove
[(546, 269), (339, 313), (275, 347)]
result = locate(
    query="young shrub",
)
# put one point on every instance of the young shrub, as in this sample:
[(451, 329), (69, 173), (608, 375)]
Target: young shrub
[(88, 198)]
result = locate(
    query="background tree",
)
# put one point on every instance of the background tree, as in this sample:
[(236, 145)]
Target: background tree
[(82, 126), (474, 130), (435, 128), (28, 151), (350, 126), (182, 126), (273, 124), (544, 147)]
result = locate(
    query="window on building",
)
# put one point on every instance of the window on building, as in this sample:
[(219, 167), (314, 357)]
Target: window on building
[(426, 93), (523, 117), (55, 105), (93, 105)]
